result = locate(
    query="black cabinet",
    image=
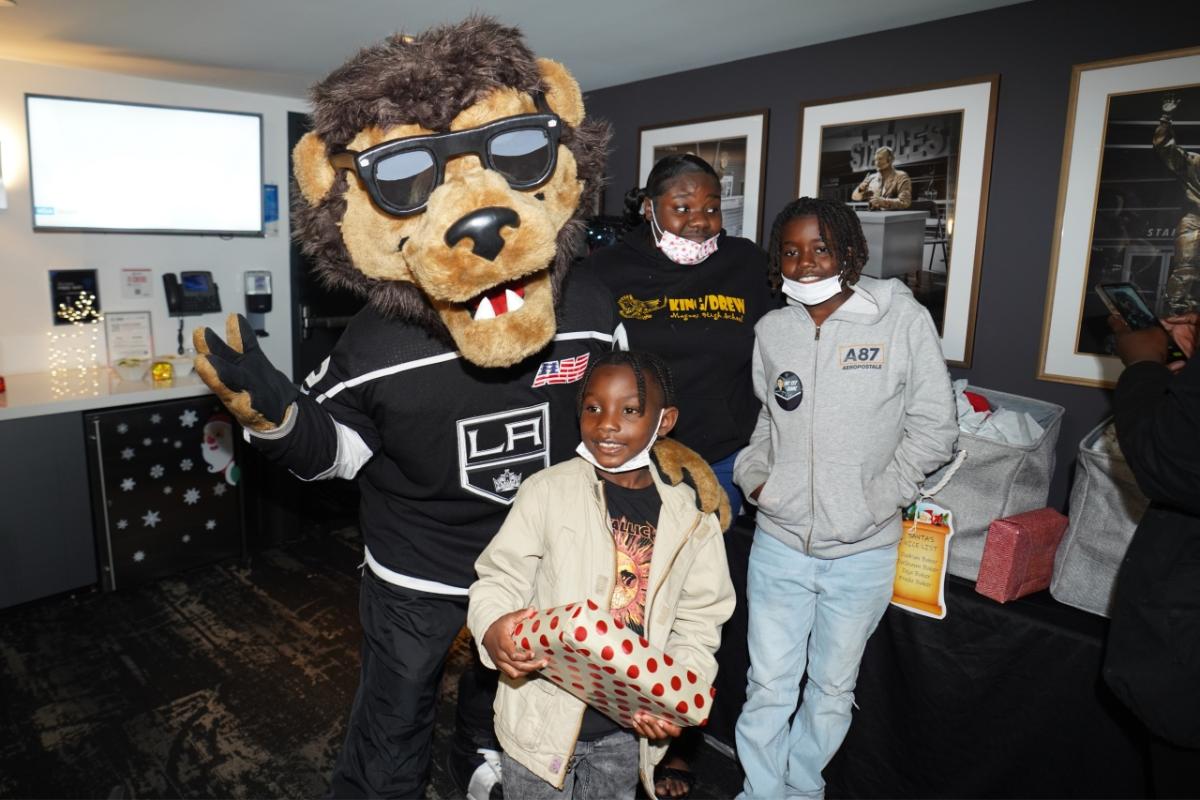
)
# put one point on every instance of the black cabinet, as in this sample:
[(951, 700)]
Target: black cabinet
[(46, 543), (166, 488)]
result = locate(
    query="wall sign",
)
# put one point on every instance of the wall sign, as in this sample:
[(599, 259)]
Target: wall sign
[(74, 296), (129, 335)]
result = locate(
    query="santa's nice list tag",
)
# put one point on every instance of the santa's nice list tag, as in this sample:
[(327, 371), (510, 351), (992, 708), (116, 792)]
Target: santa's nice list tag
[(921, 563), (595, 657)]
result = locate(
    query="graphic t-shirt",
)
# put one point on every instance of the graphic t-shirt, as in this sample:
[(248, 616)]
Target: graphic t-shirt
[(633, 521)]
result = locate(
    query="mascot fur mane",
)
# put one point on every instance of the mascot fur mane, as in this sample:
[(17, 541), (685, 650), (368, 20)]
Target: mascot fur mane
[(447, 78)]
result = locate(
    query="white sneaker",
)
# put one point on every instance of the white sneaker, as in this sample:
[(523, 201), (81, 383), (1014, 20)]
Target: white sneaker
[(487, 780)]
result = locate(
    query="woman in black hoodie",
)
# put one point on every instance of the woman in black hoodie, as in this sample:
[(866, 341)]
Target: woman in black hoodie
[(689, 292)]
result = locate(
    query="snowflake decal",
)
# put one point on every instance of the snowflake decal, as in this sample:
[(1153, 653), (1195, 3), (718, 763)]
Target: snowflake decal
[(150, 519), (208, 526), (186, 465), (128, 484), (191, 496), (219, 489), (147, 441), (168, 490), (122, 428), (139, 556), (188, 418), (187, 537), (122, 524), (155, 419), (178, 444), (157, 471), (127, 454), (165, 440)]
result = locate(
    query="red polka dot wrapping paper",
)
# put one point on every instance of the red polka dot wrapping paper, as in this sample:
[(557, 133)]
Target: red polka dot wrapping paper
[(608, 666)]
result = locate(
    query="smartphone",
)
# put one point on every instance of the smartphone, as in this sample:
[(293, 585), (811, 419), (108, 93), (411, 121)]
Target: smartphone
[(1124, 300)]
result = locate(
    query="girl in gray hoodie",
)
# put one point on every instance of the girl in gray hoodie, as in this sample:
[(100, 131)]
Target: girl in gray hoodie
[(857, 409)]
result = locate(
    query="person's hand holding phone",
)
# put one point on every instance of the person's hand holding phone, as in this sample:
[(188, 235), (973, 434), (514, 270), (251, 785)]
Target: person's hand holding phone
[(1147, 344), (1183, 329), (1140, 335)]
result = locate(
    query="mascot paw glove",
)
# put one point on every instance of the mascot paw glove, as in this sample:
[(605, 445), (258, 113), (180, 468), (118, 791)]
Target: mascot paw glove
[(678, 464), (238, 372)]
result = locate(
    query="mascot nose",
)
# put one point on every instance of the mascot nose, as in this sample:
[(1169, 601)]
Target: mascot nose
[(483, 228)]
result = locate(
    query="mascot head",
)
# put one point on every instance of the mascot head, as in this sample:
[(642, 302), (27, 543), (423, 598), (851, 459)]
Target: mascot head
[(444, 179)]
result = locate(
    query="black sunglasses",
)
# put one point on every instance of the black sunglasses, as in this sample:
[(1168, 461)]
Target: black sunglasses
[(401, 174)]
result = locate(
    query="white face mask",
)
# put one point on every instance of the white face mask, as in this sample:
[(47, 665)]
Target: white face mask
[(640, 460), (678, 249), (811, 294)]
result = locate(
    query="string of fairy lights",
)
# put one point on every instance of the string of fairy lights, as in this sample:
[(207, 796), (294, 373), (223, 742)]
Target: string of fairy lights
[(74, 351)]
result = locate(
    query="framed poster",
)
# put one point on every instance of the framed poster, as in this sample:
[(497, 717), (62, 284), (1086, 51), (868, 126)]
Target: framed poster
[(129, 335), (735, 146), (74, 296), (922, 149), (1128, 208)]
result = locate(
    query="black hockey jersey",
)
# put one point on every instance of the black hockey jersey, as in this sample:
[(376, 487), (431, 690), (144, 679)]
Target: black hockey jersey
[(439, 445)]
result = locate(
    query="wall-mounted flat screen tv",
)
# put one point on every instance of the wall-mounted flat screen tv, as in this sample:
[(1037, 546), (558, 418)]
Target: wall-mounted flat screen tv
[(102, 166)]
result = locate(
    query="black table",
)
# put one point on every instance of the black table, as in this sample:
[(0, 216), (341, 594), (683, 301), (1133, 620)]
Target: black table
[(996, 700)]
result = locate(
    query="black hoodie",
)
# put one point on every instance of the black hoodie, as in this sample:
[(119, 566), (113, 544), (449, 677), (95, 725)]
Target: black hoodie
[(700, 318)]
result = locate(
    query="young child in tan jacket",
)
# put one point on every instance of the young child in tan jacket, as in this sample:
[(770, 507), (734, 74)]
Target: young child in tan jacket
[(605, 527)]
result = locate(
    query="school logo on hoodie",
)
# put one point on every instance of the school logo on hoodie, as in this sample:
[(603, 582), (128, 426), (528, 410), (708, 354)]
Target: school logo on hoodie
[(789, 391)]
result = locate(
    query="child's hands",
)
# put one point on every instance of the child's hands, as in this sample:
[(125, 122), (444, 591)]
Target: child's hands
[(650, 726), (508, 658)]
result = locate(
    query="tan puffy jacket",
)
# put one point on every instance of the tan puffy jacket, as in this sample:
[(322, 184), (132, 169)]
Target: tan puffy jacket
[(555, 548)]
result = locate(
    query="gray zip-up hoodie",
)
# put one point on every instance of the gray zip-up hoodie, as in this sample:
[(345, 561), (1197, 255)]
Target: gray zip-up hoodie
[(855, 414)]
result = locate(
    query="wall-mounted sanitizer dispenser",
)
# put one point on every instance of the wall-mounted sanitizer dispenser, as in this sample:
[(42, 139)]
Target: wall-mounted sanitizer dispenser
[(258, 299)]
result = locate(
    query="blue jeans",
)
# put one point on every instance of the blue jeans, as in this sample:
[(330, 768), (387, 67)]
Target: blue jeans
[(812, 613), (723, 469), (604, 769)]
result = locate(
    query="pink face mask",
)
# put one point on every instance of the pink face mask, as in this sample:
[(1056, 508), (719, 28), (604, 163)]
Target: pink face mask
[(678, 249)]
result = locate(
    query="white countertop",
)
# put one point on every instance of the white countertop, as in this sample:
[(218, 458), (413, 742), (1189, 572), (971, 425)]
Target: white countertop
[(35, 394)]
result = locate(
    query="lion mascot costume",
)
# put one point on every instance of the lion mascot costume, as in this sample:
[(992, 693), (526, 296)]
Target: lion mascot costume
[(444, 180)]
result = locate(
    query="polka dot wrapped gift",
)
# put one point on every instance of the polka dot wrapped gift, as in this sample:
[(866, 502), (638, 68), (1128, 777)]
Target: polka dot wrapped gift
[(608, 666)]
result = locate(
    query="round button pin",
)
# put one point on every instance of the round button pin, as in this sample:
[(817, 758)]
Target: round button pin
[(789, 391)]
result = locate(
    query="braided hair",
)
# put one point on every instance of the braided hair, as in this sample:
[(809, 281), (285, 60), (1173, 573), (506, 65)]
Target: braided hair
[(665, 170), (840, 229), (642, 364)]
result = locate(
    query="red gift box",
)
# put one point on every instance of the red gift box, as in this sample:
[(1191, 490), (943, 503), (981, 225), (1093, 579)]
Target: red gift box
[(608, 666), (1018, 555)]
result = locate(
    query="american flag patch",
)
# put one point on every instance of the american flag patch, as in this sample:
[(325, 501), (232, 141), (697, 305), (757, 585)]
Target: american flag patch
[(565, 370)]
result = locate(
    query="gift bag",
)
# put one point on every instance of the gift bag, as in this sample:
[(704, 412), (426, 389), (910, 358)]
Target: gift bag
[(1106, 506), (1018, 555), (999, 479), (596, 658)]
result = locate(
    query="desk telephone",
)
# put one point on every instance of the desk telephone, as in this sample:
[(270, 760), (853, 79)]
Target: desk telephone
[(191, 293)]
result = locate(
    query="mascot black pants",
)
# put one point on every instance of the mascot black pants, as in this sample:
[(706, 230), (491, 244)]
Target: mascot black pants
[(406, 636)]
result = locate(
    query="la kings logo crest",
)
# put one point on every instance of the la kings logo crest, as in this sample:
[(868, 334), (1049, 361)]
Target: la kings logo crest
[(497, 451)]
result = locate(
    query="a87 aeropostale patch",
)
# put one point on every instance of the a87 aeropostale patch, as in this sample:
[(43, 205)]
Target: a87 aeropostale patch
[(861, 356)]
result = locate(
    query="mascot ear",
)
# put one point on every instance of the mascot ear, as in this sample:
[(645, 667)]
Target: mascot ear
[(562, 92), (314, 174)]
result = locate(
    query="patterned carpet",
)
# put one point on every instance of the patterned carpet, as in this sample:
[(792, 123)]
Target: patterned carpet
[(225, 681)]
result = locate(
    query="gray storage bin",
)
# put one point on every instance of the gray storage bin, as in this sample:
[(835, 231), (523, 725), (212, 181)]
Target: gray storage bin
[(1106, 506), (997, 479)]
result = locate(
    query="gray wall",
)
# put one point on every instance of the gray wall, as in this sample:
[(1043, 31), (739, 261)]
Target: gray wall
[(1033, 47)]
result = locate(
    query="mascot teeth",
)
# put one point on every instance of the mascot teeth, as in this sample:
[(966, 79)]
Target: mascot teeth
[(499, 300)]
